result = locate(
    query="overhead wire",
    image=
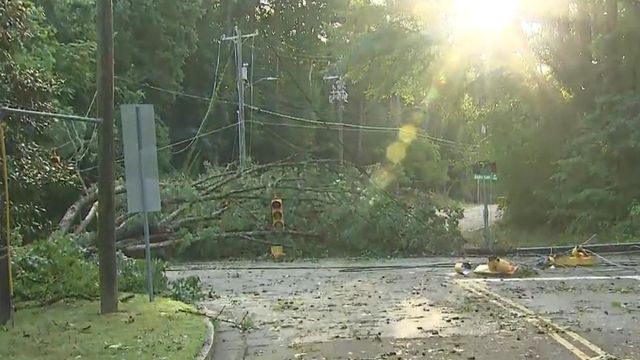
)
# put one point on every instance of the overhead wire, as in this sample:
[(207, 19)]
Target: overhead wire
[(180, 142), (325, 123), (211, 101), (93, 133)]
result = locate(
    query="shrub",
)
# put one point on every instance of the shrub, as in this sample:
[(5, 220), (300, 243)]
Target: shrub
[(48, 271)]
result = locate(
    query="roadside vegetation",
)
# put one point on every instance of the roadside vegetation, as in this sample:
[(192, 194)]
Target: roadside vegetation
[(559, 116), (74, 329)]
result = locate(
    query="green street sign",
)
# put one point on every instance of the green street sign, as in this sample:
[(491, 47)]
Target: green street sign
[(491, 177)]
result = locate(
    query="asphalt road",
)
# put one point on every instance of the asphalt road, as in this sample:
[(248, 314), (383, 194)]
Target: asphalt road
[(419, 309), (473, 220)]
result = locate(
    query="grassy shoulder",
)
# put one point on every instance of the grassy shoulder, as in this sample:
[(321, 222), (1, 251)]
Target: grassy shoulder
[(75, 330)]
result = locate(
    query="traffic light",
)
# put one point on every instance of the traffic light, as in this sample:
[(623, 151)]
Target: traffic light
[(277, 214)]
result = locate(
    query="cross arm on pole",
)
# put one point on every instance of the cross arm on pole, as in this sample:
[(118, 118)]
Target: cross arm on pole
[(235, 37)]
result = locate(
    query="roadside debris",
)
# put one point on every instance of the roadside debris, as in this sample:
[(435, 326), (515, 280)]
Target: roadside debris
[(495, 266), (463, 268), (577, 257)]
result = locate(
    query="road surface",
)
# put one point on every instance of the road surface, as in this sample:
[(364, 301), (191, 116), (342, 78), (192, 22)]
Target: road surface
[(472, 220), (419, 309)]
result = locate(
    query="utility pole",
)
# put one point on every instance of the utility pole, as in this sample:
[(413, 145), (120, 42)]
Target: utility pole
[(5, 276), (485, 215), (339, 94), (6, 290), (241, 71), (106, 161)]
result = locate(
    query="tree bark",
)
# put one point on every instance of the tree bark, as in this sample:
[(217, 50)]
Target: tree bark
[(87, 220), (108, 272), (74, 210)]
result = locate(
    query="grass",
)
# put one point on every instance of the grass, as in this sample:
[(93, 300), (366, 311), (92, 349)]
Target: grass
[(75, 330)]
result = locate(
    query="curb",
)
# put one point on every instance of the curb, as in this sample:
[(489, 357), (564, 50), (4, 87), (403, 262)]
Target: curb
[(206, 353)]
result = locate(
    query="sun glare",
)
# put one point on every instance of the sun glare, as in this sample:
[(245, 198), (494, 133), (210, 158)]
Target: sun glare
[(484, 15)]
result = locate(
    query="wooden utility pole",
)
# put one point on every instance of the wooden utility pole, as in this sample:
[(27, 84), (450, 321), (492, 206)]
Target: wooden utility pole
[(241, 71), (106, 162)]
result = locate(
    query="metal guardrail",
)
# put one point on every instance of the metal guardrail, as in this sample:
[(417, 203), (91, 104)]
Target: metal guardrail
[(597, 248), (546, 250)]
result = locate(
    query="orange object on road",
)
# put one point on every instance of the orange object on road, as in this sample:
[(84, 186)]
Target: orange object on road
[(496, 267)]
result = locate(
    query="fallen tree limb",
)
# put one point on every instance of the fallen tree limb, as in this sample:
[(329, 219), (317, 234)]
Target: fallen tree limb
[(124, 217), (74, 210), (87, 220), (197, 219), (165, 222), (239, 175), (153, 239), (229, 235), (210, 315), (232, 192), (157, 245), (53, 300), (263, 233)]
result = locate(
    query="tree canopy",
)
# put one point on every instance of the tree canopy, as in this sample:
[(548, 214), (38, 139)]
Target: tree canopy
[(554, 82)]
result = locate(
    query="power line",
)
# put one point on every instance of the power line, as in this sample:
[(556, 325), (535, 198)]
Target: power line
[(168, 146), (326, 123), (213, 96), (93, 133), (318, 127), (48, 114)]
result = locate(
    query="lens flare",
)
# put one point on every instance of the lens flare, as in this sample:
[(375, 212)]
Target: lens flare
[(407, 134), (396, 152)]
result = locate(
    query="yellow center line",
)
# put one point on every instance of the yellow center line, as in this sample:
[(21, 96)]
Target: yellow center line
[(553, 330), (572, 334)]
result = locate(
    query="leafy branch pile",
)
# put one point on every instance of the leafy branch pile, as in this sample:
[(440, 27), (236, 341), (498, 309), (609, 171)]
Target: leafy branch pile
[(49, 271), (329, 211)]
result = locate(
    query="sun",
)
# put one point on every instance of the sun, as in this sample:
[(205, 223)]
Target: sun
[(484, 15)]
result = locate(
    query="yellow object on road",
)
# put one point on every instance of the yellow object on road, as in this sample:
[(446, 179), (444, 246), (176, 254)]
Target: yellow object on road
[(496, 267), (578, 257)]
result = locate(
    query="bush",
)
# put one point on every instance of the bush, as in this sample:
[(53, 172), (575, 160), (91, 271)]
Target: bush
[(48, 271), (188, 290), (132, 275)]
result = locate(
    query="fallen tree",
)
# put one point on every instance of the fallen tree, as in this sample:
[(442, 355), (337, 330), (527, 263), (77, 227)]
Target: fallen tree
[(226, 213)]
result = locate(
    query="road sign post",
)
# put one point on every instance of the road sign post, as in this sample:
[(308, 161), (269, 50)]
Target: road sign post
[(141, 170), (485, 172)]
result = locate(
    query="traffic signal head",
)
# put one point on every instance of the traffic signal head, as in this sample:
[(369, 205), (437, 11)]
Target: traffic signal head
[(277, 214)]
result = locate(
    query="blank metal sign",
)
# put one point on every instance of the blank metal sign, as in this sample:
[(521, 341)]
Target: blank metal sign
[(140, 157)]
